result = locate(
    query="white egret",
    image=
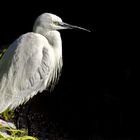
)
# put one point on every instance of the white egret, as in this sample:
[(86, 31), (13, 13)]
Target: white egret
[(32, 62)]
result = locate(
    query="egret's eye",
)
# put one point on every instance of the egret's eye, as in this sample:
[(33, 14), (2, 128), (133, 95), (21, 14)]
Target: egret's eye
[(56, 23)]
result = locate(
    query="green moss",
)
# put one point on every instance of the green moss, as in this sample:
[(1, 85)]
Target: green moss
[(15, 134), (7, 115)]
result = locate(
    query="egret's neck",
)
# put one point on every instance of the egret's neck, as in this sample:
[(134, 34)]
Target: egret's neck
[(54, 40)]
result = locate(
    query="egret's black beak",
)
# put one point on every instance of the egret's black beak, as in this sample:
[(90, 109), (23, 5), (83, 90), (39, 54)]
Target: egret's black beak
[(68, 26)]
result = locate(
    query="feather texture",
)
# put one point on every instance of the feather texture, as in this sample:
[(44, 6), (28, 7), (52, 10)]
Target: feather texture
[(28, 67)]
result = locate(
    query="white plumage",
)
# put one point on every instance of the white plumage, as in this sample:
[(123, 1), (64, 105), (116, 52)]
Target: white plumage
[(32, 62)]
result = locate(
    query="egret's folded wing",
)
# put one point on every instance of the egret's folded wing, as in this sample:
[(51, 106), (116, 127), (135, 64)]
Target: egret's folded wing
[(24, 70)]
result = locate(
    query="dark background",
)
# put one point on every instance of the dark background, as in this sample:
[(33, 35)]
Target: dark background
[(97, 94)]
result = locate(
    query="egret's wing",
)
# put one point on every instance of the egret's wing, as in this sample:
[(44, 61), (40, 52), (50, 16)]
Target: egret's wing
[(24, 69)]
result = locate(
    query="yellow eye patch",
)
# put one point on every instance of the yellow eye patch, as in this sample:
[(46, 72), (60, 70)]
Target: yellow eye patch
[(56, 23)]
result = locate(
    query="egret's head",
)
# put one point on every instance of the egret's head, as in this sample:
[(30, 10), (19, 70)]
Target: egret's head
[(49, 22)]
